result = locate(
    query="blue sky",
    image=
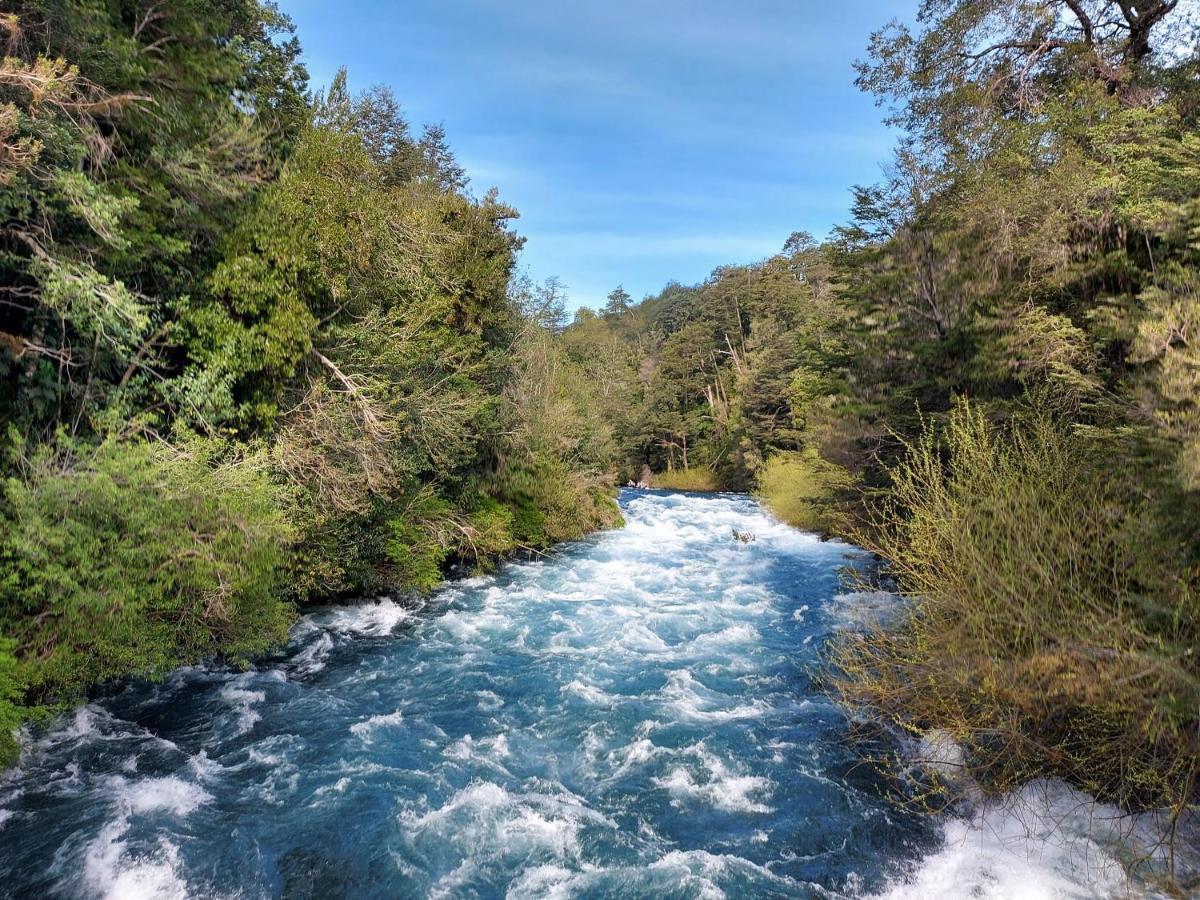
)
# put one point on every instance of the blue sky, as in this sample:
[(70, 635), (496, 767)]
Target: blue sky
[(641, 141)]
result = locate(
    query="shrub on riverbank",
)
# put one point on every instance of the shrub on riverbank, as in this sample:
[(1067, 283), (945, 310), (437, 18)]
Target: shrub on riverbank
[(136, 558), (700, 479), (803, 490), (1052, 627), (12, 711)]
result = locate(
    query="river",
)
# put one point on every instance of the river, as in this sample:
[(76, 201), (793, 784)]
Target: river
[(632, 716)]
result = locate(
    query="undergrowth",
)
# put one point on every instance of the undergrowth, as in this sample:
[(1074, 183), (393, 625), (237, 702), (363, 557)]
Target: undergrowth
[(698, 479), (802, 489), (1053, 620)]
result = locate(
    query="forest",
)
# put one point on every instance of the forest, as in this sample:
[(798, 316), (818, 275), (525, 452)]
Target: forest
[(262, 346)]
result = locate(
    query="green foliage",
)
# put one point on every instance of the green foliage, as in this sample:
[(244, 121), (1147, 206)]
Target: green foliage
[(1162, 345), (1049, 628), (804, 490), (11, 697), (132, 140), (554, 471), (714, 379), (1034, 249), (421, 539), (686, 480), (550, 503), (136, 558)]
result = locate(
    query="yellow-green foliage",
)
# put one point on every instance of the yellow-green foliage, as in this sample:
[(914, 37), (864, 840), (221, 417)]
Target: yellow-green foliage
[(553, 472), (135, 558), (802, 489), (1050, 630), (11, 711), (700, 479), (551, 503)]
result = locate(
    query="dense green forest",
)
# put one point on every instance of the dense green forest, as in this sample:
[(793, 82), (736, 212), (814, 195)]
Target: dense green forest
[(258, 348), (262, 347), (991, 377)]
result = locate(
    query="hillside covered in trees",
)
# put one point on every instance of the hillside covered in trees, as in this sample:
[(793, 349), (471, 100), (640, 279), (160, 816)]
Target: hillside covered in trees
[(258, 348), (990, 376)]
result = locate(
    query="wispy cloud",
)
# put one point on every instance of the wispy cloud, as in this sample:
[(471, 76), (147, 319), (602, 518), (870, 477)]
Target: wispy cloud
[(732, 247), (748, 34)]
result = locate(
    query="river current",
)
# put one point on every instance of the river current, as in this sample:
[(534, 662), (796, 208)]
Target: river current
[(632, 716)]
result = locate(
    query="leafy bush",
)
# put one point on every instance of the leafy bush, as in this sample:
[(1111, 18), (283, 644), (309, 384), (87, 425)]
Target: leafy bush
[(11, 713), (423, 535), (802, 489), (134, 558), (1051, 626), (552, 503), (699, 479)]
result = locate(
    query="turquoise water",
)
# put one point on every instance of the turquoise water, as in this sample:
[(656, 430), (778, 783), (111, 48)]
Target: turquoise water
[(632, 716)]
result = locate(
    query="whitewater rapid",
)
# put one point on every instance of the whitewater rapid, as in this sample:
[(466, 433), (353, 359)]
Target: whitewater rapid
[(632, 716)]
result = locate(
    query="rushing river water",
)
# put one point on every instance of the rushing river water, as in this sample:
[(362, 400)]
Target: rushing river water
[(630, 717)]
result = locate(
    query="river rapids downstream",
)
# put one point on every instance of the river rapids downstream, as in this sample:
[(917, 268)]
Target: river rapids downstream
[(633, 716)]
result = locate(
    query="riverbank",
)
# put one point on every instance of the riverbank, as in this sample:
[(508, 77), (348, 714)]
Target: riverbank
[(134, 560), (701, 481)]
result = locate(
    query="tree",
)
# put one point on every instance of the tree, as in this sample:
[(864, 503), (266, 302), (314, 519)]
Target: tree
[(619, 303), (1010, 57), (152, 128)]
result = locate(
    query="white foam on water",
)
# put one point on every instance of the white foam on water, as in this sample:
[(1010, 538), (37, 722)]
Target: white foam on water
[(488, 751), (693, 874), (312, 658), (639, 638), (687, 699), (489, 701), (86, 725), (589, 692), (472, 627), (453, 884), (863, 609), (706, 869), (272, 751), (111, 872), (731, 638), (170, 794), (639, 753), (367, 729), (1046, 841), (243, 700), (484, 821), (377, 619), (548, 882), (716, 785), (204, 768)]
